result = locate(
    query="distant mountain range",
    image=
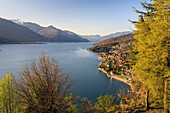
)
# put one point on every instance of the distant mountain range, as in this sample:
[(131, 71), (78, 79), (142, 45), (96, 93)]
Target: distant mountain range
[(11, 32), (32, 26), (17, 31), (51, 33), (92, 38), (116, 34), (17, 21), (95, 38), (59, 35)]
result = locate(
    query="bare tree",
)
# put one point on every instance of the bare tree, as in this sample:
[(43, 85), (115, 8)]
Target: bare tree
[(42, 86), (85, 105)]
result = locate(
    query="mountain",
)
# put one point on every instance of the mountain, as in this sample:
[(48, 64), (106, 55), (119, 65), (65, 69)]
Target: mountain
[(33, 26), (60, 36), (107, 44), (11, 32), (54, 34), (119, 39), (17, 21), (92, 38), (116, 34)]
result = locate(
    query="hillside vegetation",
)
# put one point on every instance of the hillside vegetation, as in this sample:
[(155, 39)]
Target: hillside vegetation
[(106, 45)]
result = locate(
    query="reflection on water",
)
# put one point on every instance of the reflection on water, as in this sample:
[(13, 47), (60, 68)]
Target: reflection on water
[(110, 81)]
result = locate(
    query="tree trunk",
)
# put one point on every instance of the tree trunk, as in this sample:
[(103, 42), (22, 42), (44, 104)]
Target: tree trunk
[(147, 100), (165, 97)]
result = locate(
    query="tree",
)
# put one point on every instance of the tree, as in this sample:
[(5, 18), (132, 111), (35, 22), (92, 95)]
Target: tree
[(73, 108), (152, 60), (9, 102), (105, 104), (85, 105), (43, 87), (166, 95)]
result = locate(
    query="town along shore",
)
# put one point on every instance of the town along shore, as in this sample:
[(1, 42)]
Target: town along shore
[(116, 63), (114, 76)]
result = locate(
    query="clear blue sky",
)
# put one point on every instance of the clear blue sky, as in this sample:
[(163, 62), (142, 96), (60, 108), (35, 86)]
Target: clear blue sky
[(80, 16)]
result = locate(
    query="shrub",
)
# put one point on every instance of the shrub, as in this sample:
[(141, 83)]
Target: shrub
[(43, 87)]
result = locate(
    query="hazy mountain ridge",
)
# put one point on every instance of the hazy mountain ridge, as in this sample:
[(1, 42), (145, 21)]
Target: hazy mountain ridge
[(116, 34), (33, 26), (54, 34), (17, 21), (11, 32), (64, 35), (92, 38), (58, 35), (61, 36), (95, 38)]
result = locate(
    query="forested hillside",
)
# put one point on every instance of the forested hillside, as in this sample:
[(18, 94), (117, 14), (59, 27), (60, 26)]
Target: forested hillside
[(106, 45)]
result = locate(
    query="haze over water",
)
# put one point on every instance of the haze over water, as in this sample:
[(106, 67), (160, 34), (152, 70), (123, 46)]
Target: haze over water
[(73, 58)]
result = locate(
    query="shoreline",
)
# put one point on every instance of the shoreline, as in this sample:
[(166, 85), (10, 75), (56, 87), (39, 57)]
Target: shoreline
[(113, 76)]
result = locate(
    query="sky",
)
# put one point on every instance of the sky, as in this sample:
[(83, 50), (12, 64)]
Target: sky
[(84, 17)]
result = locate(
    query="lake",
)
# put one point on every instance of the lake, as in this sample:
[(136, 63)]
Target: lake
[(73, 58)]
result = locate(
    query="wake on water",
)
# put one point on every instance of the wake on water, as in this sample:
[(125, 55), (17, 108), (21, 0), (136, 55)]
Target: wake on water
[(83, 52)]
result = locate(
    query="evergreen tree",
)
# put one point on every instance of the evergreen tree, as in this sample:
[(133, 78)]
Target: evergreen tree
[(152, 65)]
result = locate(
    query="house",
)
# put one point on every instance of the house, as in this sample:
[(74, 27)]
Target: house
[(111, 72)]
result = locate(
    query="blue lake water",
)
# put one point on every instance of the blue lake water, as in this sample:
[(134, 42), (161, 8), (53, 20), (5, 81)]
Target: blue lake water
[(73, 58)]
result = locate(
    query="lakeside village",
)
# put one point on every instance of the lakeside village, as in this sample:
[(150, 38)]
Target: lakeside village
[(116, 63)]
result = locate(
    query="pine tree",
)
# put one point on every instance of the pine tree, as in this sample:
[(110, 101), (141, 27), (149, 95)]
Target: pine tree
[(152, 65)]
